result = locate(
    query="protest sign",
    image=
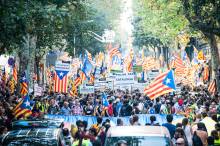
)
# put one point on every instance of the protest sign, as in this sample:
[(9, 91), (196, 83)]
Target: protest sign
[(124, 79), (85, 89), (38, 91), (153, 74)]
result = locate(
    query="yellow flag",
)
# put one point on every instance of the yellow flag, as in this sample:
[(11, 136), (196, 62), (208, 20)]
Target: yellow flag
[(201, 56)]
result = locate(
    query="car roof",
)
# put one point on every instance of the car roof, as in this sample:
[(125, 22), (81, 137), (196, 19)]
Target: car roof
[(35, 136), (35, 132), (138, 131), (37, 123)]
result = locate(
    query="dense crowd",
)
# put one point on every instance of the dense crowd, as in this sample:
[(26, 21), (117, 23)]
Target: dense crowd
[(182, 134), (194, 104)]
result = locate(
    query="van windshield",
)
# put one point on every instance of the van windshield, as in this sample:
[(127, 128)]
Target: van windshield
[(138, 141)]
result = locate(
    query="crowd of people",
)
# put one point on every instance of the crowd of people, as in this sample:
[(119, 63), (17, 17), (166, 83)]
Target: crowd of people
[(194, 104), (182, 134)]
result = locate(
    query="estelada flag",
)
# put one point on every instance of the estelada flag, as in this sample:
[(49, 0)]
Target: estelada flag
[(23, 108), (163, 83), (60, 82), (212, 87), (23, 85), (206, 73)]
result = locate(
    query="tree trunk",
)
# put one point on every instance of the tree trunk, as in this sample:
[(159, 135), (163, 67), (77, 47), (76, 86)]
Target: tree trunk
[(26, 58), (23, 63), (37, 62), (214, 58)]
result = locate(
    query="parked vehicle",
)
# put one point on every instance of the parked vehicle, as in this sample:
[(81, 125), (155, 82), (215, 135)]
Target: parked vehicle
[(138, 136), (35, 133)]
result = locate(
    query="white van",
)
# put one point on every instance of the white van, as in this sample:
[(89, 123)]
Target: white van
[(138, 136)]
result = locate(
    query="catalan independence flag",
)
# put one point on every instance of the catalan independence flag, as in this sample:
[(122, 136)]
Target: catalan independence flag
[(212, 88), (78, 80), (163, 83), (23, 85), (73, 90), (23, 108), (114, 52), (15, 74), (60, 81), (92, 77), (11, 85)]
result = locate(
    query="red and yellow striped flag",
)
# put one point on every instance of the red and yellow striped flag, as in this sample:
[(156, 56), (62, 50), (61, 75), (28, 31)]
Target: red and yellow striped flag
[(15, 74), (24, 85), (212, 87), (206, 73), (73, 90), (23, 108)]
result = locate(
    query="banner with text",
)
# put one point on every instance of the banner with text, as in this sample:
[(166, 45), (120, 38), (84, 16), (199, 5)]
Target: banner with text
[(124, 79), (84, 89)]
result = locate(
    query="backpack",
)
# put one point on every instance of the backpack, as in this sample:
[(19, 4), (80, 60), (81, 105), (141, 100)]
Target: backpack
[(196, 140)]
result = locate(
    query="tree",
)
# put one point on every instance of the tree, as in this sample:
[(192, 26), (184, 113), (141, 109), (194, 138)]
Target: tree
[(83, 20), (160, 19), (95, 16), (204, 16), (157, 25), (29, 28)]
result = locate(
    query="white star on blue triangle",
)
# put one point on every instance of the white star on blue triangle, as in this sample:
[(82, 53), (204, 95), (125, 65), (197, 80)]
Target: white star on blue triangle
[(26, 103), (169, 80), (61, 74)]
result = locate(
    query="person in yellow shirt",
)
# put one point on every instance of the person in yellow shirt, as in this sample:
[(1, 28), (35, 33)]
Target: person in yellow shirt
[(214, 133)]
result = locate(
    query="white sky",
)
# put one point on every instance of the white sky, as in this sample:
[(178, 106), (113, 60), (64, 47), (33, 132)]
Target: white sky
[(125, 27)]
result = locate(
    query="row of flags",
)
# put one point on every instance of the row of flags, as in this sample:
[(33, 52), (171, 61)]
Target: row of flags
[(182, 68), (86, 69)]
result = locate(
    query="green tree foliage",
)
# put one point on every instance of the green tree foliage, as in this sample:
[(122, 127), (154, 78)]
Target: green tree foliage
[(159, 19), (30, 28), (203, 15), (82, 20), (95, 16)]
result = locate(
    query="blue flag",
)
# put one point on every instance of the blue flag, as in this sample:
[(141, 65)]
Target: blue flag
[(87, 67), (104, 100)]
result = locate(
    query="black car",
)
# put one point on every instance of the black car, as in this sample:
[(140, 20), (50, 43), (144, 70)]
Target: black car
[(39, 123), (35, 133), (34, 137)]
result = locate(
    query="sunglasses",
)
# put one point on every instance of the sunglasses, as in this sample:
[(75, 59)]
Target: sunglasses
[(179, 143)]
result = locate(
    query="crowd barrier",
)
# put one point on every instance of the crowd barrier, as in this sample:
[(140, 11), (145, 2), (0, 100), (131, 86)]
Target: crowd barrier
[(143, 119)]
